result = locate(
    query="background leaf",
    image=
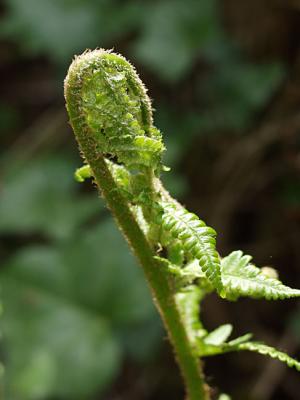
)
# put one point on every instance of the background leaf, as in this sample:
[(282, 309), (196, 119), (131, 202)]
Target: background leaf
[(63, 308), (38, 199)]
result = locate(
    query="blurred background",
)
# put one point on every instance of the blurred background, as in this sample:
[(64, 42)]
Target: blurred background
[(78, 322)]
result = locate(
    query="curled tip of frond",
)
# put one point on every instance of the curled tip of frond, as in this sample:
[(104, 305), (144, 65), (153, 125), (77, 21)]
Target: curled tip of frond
[(108, 102)]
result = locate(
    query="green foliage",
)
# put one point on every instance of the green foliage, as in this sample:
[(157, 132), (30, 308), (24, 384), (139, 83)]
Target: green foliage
[(96, 146), (117, 109), (36, 201), (188, 300), (219, 335), (171, 38), (63, 308), (198, 240), (241, 278), (237, 90), (271, 352), (177, 37), (62, 303), (102, 89), (64, 27), (215, 343), (83, 173)]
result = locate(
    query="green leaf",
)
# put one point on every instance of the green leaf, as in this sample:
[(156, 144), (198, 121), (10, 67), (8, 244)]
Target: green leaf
[(40, 199), (219, 335), (83, 173), (224, 396), (65, 311), (240, 278), (237, 89), (188, 301), (50, 26), (264, 349), (62, 28), (240, 339), (54, 347), (198, 240), (192, 271), (214, 344), (117, 109), (173, 37)]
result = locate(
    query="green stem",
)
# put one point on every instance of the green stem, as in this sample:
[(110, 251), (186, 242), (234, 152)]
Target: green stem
[(157, 278)]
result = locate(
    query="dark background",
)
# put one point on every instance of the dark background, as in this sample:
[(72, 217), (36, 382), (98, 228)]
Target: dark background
[(77, 321)]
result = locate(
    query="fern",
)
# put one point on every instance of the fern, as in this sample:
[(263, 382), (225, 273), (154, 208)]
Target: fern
[(214, 343), (124, 179), (219, 335), (265, 350), (241, 278), (198, 240), (112, 119), (118, 111), (188, 300), (83, 173)]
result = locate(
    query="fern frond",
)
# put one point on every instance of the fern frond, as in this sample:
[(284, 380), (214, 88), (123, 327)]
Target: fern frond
[(192, 271), (241, 278), (214, 343), (83, 173), (136, 150), (219, 335), (266, 350), (198, 240), (116, 108), (188, 302), (121, 176)]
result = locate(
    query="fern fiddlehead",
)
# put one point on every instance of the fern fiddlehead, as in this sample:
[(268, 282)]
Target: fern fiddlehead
[(116, 108), (111, 116), (91, 136)]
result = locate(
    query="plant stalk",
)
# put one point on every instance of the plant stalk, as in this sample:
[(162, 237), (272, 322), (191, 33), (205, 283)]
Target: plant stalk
[(164, 299)]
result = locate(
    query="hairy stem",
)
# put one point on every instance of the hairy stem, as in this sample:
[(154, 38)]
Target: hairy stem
[(155, 273)]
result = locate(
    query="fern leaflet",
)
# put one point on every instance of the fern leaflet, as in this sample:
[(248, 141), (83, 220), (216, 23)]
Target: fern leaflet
[(198, 240), (266, 350), (188, 301), (219, 335), (214, 343), (241, 278)]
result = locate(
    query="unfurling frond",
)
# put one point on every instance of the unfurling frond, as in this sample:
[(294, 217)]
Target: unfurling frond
[(120, 174), (198, 240), (241, 278), (111, 115), (109, 100)]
